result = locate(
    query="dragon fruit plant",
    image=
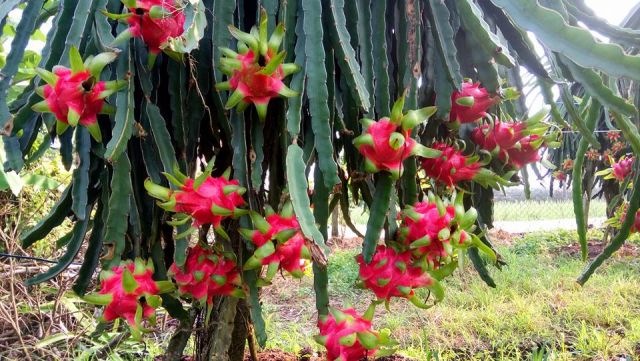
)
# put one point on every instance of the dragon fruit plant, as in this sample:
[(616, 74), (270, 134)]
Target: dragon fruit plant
[(348, 336), (619, 170), (207, 274), (385, 144), (76, 96), (156, 22), (470, 103), (516, 144), (206, 199), (393, 274), (128, 291), (452, 168), (279, 243), (256, 72), (434, 229)]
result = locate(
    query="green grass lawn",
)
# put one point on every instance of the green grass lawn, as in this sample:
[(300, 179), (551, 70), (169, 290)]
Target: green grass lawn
[(536, 306)]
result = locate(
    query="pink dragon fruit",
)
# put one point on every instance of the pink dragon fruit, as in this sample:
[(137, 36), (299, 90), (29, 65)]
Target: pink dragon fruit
[(452, 167), (256, 73), (279, 244), (128, 291), (206, 200), (76, 96), (392, 274), (622, 168), (155, 21), (207, 274), (433, 229), (514, 143), (636, 223), (470, 103), (348, 336), (385, 144)]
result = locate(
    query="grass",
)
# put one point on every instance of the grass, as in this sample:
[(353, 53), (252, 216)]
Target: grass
[(526, 210), (537, 307)]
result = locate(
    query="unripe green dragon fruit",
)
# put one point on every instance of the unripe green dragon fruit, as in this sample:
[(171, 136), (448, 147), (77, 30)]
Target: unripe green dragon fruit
[(256, 71), (347, 336), (76, 96), (128, 291), (385, 144), (279, 243)]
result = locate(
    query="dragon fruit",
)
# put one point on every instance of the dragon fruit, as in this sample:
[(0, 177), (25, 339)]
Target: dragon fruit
[(154, 21), (348, 336), (636, 223), (622, 168), (392, 274), (452, 168), (470, 103), (128, 291), (279, 243), (76, 96), (207, 274), (385, 144), (256, 71), (206, 200), (514, 143), (435, 228)]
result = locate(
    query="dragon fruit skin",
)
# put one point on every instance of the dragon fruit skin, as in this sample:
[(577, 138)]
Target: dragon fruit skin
[(380, 155), (213, 200), (128, 291), (636, 223), (509, 142), (622, 168), (452, 167), (342, 332), (76, 96), (290, 247), (392, 274), (207, 274), (156, 31), (256, 72), (428, 224), (470, 103), (385, 144)]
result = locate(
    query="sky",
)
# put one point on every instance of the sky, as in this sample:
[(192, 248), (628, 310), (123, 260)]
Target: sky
[(613, 11)]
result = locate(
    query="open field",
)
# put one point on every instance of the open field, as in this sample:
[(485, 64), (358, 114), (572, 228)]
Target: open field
[(537, 307)]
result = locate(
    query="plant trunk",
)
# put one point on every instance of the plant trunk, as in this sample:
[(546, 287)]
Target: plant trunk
[(335, 224), (213, 342)]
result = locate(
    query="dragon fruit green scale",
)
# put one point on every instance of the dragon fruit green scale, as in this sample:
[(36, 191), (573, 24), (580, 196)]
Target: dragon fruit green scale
[(76, 96), (385, 144), (256, 72)]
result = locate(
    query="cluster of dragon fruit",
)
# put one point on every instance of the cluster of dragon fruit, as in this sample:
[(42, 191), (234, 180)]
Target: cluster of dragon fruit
[(432, 235)]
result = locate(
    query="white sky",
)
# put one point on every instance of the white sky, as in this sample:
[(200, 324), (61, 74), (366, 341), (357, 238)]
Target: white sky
[(613, 11)]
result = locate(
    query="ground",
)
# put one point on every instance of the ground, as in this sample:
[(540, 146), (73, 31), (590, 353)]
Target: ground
[(536, 308)]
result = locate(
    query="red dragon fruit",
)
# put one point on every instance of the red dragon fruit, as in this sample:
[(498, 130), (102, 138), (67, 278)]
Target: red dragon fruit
[(434, 228), (622, 168), (385, 144), (348, 336), (636, 223), (470, 103), (514, 143), (207, 274), (76, 96), (128, 291), (392, 274), (155, 21), (279, 244), (207, 200), (256, 73)]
